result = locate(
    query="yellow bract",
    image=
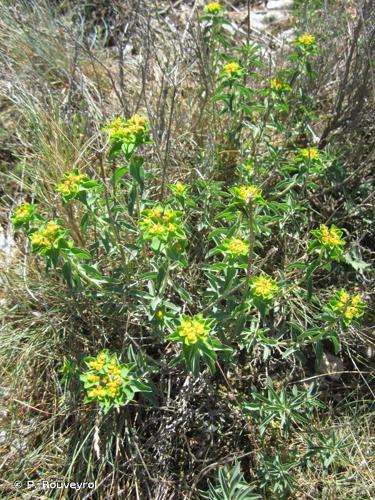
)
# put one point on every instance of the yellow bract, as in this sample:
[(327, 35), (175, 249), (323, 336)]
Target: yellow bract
[(23, 211), (192, 330), (357, 300), (310, 153), (70, 183), (45, 238), (245, 193), (306, 39), (180, 188), (114, 369), (122, 129), (351, 312), (231, 68), (264, 287), (277, 85), (97, 392), (343, 298), (168, 215), (39, 240), (138, 120), (155, 212), (112, 387), (237, 246), (351, 307), (51, 229), (330, 236), (158, 229), (96, 365), (107, 377), (159, 221), (213, 8), (93, 378)]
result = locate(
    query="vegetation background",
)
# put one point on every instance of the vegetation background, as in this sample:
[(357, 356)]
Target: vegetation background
[(280, 404)]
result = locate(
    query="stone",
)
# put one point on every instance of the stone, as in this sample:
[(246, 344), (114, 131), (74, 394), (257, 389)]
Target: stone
[(330, 365)]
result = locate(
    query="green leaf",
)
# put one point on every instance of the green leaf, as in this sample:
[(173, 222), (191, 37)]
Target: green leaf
[(355, 262), (136, 170), (68, 275), (119, 174), (115, 150), (318, 354), (81, 253)]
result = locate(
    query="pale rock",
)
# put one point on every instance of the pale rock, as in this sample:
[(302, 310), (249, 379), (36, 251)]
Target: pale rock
[(330, 365), (280, 4)]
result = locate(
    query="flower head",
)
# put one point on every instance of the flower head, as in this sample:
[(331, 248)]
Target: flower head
[(23, 214), (331, 237), (192, 329), (248, 167), (51, 229), (246, 193), (71, 183), (96, 364), (128, 131), (161, 222), (97, 393), (159, 314), (231, 68), (40, 241), (310, 153), (306, 40), (264, 287), (93, 378), (108, 381), (348, 306), (46, 237), (237, 246), (278, 85), (158, 229), (213, 8), (180, 188)]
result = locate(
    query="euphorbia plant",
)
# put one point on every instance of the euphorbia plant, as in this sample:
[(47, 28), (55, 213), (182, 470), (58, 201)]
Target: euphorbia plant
[(109, 382), (196, 337)]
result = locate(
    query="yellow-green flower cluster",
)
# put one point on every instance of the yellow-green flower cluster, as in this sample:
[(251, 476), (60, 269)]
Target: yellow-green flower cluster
[(309, 153), (231, 68), (71, 183), (161, 222), (23, 214), (306, 40), (133, 130), (46, 237), (278, 85), (110, 382), (246, 193), (236, 246), (192, 329), (179, 188), (264, 287), (330, 236), (159, 314), (248, 167), (213, 8), (349, 306), (103, 379)]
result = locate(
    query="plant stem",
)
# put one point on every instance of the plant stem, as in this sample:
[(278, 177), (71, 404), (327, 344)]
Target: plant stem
[(251, 242)]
